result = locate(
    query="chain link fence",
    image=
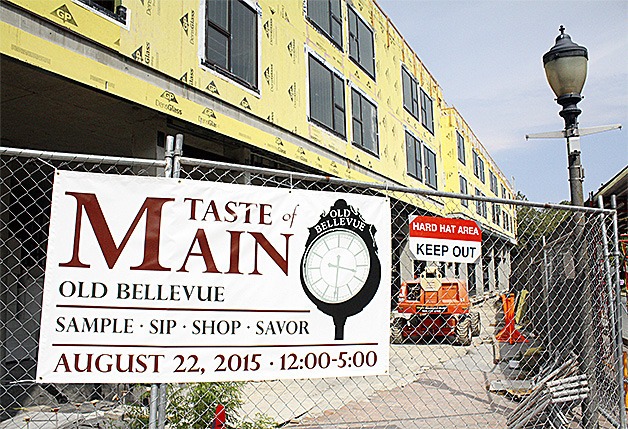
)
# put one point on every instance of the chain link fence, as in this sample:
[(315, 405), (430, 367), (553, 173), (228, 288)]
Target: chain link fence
[(528, 336)]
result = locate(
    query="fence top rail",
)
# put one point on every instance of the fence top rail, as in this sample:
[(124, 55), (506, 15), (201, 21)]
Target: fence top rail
[(78, 157), (384, 186), (389, 187)]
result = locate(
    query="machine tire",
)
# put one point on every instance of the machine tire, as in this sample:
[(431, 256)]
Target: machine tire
[(476, 324), (463, 331), (396, 330)]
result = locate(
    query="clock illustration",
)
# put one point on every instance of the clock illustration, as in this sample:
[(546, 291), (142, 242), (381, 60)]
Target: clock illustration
[(340, 270)]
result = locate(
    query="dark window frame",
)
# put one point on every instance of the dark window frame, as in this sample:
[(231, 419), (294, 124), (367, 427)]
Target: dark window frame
[(493, 183), (414, 157), (228, 34), (357, 38), (478, 167), (412, 105), (460, 145), (497, 210), (333, 19), (482, 171), (428, 154), (464, 189), (113, 8), (336, 80), (427, 115), (420, 105), (480, 207), (362, 99)]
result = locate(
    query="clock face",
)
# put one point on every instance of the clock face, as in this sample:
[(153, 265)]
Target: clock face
[(336, 266)]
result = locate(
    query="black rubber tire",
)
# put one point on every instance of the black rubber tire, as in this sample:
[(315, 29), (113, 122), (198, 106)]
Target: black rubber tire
[(463, 331), (396, 328), (476, 324)]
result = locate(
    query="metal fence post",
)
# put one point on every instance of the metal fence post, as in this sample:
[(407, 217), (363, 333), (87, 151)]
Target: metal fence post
[(546, 283), (618, 319), (157, 412), (176, 159), (161, 416), (613, 308), (586, 342), (152, 416), (168, 155)]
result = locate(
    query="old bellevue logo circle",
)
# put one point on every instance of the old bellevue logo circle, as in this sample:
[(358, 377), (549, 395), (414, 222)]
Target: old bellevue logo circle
[(340, 269)]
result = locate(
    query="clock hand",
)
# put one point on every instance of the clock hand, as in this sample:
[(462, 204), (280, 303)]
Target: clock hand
[(339, 267)]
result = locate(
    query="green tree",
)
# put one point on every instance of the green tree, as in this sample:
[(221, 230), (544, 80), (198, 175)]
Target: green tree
[(534, 223)]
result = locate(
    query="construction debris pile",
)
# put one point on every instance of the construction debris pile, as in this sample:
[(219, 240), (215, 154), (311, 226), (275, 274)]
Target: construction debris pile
[(553, 398)]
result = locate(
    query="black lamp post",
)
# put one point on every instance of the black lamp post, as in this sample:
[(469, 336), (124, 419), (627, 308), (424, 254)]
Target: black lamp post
[(566, 70), (573, 299)]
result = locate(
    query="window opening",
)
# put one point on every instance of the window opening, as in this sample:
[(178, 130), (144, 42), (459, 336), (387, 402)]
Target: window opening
[(231, 40), (364, 123), (327, 97)]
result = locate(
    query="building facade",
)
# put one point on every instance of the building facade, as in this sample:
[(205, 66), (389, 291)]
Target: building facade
[(321, 86)]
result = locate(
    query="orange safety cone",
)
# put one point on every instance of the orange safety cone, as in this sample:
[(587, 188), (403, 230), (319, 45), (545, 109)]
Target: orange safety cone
[(509, 334), (221, 417)]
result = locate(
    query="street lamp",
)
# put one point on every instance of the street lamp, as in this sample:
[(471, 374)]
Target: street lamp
[(566, 70)]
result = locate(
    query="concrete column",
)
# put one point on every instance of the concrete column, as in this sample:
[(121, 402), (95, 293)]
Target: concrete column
[(489, 269), (479, 278), (504, 269), (406, 263)]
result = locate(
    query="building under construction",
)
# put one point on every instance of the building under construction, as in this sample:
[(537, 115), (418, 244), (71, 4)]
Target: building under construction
[(328, 87)]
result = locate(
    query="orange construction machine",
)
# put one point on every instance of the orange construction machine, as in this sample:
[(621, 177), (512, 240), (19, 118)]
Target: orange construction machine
[(431, 307)]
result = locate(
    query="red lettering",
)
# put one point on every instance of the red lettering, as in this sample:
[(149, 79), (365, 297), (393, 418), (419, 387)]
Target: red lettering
[(211, 208), (88, 363), (206, 253), (107, 365), (229, 209), (234, 258), (193, 206), (156, 365), (63, 361), (103, 363), (141, 363), (119, 368), (260, 240), (263, 214), (247, 216), (152, 207)]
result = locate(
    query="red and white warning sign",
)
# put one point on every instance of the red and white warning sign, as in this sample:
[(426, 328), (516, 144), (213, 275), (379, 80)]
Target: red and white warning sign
[(444, 239)]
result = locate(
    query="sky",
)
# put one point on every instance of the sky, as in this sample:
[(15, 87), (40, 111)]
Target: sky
[(486, 55)]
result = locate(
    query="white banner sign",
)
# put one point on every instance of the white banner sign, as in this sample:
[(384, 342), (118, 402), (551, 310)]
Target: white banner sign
[(445, 239), (152, 280)]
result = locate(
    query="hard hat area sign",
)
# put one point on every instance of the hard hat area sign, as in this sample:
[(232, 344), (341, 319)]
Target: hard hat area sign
[(445, 240)]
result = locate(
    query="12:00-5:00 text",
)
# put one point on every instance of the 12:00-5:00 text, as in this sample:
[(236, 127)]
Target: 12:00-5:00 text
[(324, 360)]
